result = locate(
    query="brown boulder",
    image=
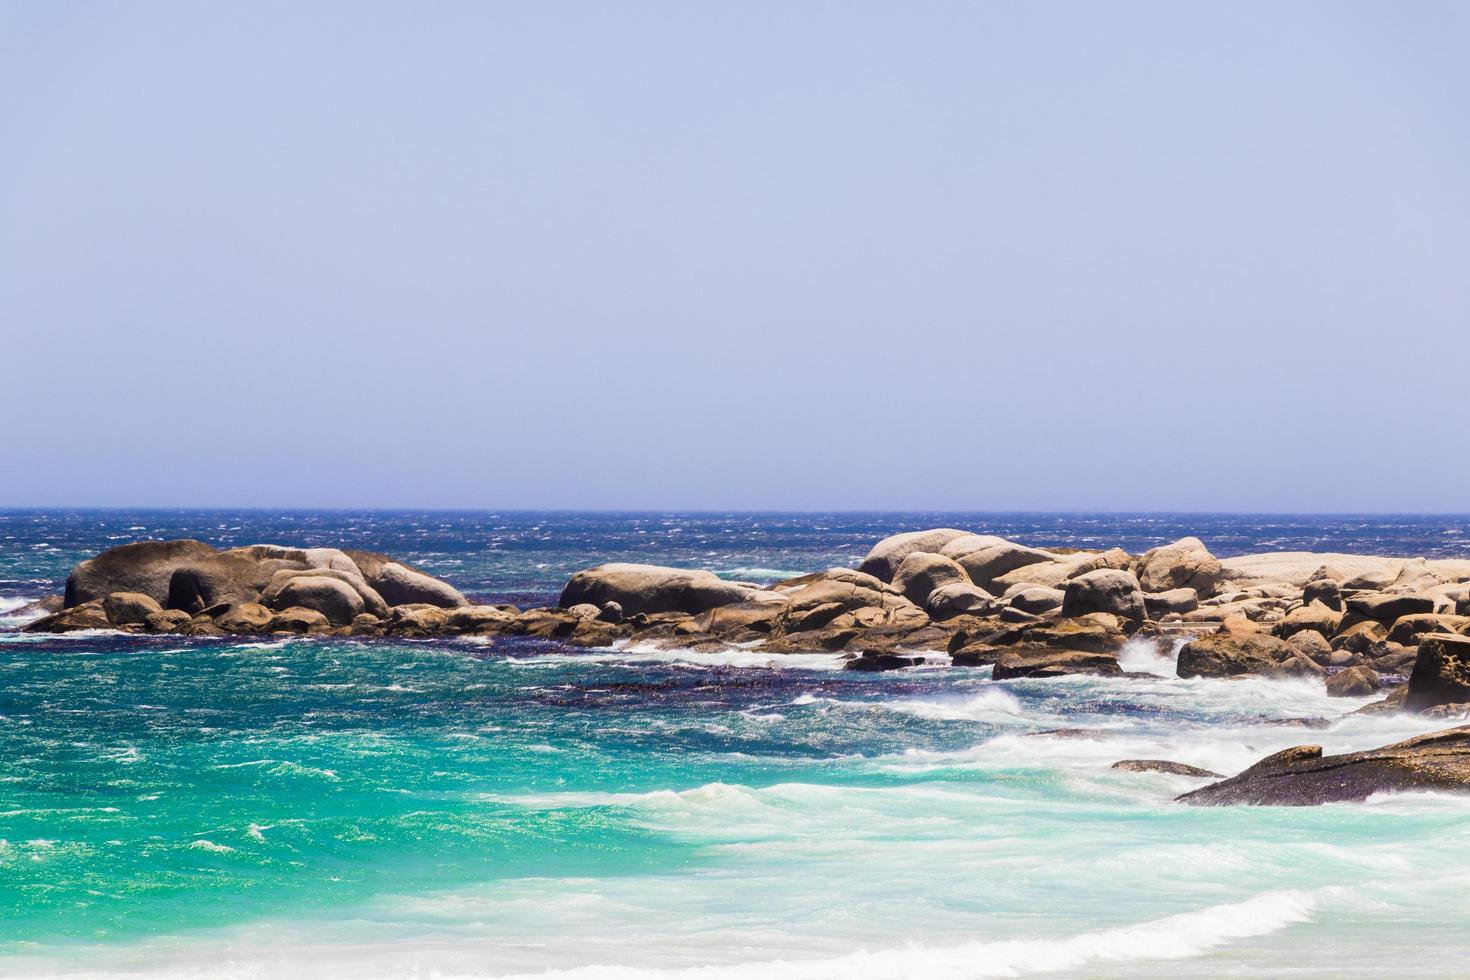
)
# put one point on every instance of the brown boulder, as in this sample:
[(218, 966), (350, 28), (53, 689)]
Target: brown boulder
[(883, 560), (1355, 682), (143, 566), (129, 608), (1441, 672)]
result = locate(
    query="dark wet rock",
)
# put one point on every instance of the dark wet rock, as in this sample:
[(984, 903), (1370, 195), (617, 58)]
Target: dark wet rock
[(1094, 634), (1441, 672), (1107, 590), (1386, 607), (1165, 766), (874, 660), (129, 608), (653, 589), (1303, 776), (229, 577), (976, 655), (143, 566), (883, 560), (1184, 564), (1048, 662), (814, 641), (1355, 682), (611, 612), (552, 624)]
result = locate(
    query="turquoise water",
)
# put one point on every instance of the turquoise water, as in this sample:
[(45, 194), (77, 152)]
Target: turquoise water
[(354, 808)]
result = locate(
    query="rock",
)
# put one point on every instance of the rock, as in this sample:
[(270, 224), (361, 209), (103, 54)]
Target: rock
[(244, 617), (654, 589), (815, 605), (1048, 662), (1359, 635), (237, 575), (1298, 664), (144, 566), (873, 660), (882, 562), (1313, 644), (363, 624), (1303, 776), (1165, 766), (480, 619), (1408, 629), (426, 619), (299, 619), (1315, 616), (1325, 591), (1161, 604), (584, 610), (1106, 590), (1097, 633), (611, 612), (1355, 682), (763, 616), (968, 544), (1441, 672), (129, 608), (89, 615), (166, 621), (921, 573), (960, 599), (1186, 563), (333, 598), (1035, 599), (1231, 654), (976, 655), (1386, 606), (985, 566), (400, 585), (371, 601)]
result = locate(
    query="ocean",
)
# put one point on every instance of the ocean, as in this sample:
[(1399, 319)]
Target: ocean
[(333, 807)]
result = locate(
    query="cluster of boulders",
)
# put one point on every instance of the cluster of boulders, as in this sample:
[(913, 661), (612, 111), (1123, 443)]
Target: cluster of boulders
[(1359, 623), (191, 588)]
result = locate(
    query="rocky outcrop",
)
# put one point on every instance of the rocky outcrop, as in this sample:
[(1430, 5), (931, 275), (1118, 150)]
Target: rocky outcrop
[(653, 589), (1227, 654), (1032, 661), (921, 573), (1106, 590), (129, 608), (144, 567), (400, 585), (1303, 776), (987, 565), (1185, 564), (1354, 682), (1441, 673), (883, 560)]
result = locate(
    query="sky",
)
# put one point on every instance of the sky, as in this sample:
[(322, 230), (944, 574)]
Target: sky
[(980, 256)]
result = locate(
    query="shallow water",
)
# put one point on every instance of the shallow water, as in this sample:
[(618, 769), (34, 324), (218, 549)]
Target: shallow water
[(352, 808)]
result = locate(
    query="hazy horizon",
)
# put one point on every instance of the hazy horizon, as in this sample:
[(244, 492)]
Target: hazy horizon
[(1133, 258)]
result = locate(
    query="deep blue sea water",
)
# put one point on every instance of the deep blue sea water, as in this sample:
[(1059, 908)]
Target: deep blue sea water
[(460, 808)]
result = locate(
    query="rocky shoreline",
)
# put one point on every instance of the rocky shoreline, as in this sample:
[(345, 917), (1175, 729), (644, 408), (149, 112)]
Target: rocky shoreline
[(1360, 624)]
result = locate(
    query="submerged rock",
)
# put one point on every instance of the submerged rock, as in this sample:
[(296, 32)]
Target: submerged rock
[(1165, 766), (1303, 776)]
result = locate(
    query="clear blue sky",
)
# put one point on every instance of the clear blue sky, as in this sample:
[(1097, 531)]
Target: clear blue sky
[(746, 255)]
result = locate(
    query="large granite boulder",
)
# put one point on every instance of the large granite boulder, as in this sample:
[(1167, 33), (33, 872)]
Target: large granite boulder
[(129, 608), (653, 589), (883, 560), (234, 576), (1388, 606), (1441, 672), (1312, 616), (1354, 682), (1171, 602), (922, 572), (372, 602), (1028, 661), (400, 585), (143, 566), (333, 598), (1185, 564), (1408, 629), (988, 564), (1228, 654), (960, 599), (968, 544), (1106, 590), (1303, 776)]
